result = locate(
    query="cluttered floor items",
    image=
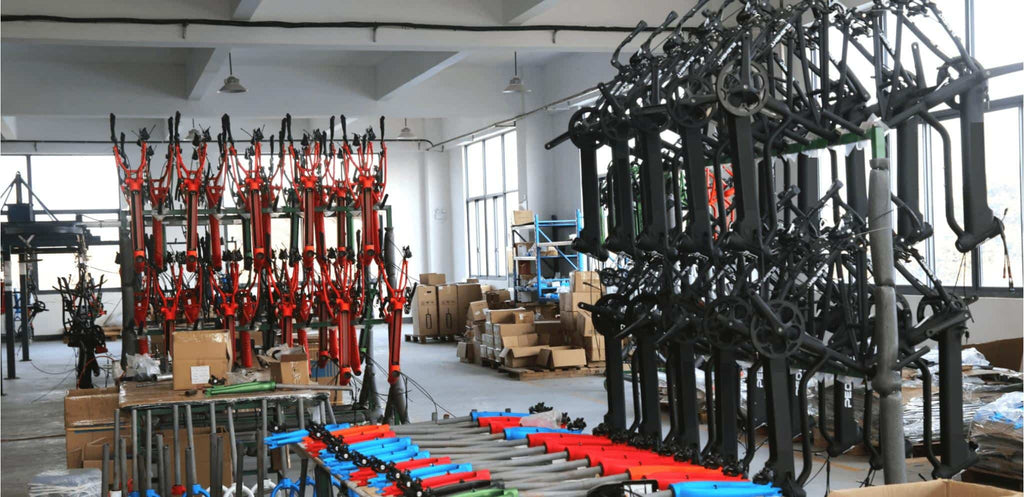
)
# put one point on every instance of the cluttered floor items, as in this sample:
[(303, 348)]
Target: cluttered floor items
[(496, 454)]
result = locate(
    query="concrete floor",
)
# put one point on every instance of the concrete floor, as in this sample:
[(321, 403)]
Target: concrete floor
[(31, 412)]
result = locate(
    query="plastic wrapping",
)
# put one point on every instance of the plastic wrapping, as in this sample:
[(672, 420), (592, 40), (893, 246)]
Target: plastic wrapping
[(65, 483), (998, 429), (141, 366), (547, 419)]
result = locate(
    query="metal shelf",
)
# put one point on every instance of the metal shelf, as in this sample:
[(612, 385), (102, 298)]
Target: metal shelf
[(545, 234)]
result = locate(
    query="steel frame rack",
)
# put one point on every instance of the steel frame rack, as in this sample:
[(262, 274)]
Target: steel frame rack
[(546, 288)]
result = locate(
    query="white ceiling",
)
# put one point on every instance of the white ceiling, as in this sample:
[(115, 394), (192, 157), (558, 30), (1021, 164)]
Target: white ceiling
[(85, 71)]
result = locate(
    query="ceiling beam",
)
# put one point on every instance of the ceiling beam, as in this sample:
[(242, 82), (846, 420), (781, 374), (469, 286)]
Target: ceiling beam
[(402, 71), (201, 70), (243, 10), (521, 11), (204, 64)]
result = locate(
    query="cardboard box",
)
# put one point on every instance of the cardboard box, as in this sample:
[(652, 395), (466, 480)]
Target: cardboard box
[(1006, 353), (424, 311), (519, 357), (466, 293), (568, 322), (522, 217), (90, 406), (472, 280), (328, 375), (476, 310), (201, 436), (447, 310), (199, 355), (477, 352), (561, 357), (515, 315), (77, 438), (584, 325), (498, 299), (933, 488), (432, 279), (291, 369), (511, 329), (594, 346), (464, 351), (570, 301), (524, 340), (549, 332), (585, 281), (475, 331)]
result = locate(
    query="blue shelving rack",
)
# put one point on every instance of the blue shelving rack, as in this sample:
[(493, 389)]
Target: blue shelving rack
[(543, 234)]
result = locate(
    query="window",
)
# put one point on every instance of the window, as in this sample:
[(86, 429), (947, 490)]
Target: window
[(76, 181), (492, 184)]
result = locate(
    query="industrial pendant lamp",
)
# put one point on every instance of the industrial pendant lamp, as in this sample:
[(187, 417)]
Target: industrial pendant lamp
[(515, 85), (406, 133), (231, 83)]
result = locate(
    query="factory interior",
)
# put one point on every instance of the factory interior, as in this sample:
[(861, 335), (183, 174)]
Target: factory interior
[(512, 248)]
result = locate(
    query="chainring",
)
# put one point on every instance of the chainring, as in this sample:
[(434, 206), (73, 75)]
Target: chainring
[(722, 318), (778, 342), (585, 129), (739, 98)]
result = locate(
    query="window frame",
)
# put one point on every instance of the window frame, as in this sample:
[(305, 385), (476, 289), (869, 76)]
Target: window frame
[(479, 263)]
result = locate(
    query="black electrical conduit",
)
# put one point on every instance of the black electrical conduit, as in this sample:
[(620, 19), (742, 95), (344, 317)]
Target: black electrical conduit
[(315, 24), (107, 142)]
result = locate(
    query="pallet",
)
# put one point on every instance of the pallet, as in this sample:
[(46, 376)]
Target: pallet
[(430, 338), (112, 333), (529, 374)]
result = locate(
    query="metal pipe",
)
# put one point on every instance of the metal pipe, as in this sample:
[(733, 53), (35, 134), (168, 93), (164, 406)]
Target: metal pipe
[(575, 484), (177, 445), (887, 379), (136, 466), (556, 467), (432, 444), (117, 446), (505, 123), (579, 473), (239, 468), (503, 455), (283, 451), (105, 471), (231, 439), (161, 484), (147, 461), (166, 474), (190, 471), (216, 466), (122, 465), (261, 450), (524, 461)]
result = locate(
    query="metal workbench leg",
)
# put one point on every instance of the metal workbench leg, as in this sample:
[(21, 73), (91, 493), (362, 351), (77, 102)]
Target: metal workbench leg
[(322, 480)]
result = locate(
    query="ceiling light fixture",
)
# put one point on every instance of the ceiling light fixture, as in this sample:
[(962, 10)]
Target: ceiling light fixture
[(406, 133), (515, 85), (231, 83)]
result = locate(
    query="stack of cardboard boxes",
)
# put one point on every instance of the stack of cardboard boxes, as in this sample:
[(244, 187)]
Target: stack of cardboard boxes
[(441, 309), (585, 287), (515, 338)]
